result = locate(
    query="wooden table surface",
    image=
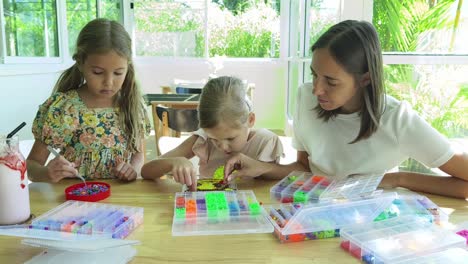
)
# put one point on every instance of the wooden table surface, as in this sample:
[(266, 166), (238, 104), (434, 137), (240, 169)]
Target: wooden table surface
[(159, 246)]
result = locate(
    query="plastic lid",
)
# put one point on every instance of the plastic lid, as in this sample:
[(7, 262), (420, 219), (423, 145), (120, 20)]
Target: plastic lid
[(398, 239), (327, 216)]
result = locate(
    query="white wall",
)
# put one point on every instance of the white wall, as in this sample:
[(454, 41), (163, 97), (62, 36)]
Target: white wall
[(269, 77), (23, 91), (21, 96)]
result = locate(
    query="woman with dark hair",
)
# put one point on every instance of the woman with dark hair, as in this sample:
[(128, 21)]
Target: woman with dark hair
[(346, 125)]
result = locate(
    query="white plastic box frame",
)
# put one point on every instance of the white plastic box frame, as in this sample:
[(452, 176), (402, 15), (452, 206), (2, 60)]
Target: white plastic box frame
[(397, 239), (114, 221), (218, 213), (305, 187), (298, 222), (451, 255), (416, 205)]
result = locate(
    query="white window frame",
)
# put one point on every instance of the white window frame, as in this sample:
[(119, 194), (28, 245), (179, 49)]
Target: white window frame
[(362, 10), (64, 59), (60, 11)]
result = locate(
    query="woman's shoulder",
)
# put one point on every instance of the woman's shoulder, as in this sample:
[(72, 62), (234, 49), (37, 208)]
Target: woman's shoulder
[(394, 106)]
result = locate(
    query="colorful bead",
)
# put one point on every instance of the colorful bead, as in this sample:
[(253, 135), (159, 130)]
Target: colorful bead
[(90, 189)]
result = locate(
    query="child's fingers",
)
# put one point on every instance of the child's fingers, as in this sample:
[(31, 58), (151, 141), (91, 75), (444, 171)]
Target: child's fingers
[(188, 176), (129, 173), (232, 164), (62, 171), (192, 175)]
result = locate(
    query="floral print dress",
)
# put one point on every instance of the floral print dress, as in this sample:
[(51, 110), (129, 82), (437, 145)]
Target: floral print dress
[(91, 138)]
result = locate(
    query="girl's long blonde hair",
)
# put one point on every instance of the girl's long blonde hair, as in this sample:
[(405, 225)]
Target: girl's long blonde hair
[(224, 99), (101, 36)]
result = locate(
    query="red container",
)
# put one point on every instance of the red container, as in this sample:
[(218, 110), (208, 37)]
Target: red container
[(87, 198)]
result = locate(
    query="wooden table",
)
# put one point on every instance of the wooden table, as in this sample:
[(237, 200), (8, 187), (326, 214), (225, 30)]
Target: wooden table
[(159, 246), (180, 101)]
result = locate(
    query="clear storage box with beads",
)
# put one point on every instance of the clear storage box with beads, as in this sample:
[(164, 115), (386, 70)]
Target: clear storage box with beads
[(299, 222), (304, 187), (397, 239), (451, 255), (218, 213), (90, 218), (415, 205)]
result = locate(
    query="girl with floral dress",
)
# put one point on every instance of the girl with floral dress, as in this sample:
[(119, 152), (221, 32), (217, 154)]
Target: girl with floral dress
[(96, 114)]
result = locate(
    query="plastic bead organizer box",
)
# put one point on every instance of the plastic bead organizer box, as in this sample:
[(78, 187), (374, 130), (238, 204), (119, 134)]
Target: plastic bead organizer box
[(218, 213), (303, 187), (76, 220)]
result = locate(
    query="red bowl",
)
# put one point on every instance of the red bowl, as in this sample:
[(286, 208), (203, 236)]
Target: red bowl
[(87, 198)]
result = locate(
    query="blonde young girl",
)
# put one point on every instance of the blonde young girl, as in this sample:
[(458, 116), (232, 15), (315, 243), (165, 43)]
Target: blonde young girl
[(96, 115), (226, 129)]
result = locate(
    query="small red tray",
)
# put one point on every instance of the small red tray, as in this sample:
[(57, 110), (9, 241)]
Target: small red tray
[(87, 198)]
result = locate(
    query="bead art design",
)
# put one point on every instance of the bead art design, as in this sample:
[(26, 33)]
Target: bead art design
[(214, 185)]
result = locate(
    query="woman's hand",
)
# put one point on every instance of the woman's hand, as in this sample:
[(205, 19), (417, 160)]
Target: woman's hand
[(241, 165), (60, 168), (184, 172)]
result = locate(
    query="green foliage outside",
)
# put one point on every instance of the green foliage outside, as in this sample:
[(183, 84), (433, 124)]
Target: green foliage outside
[(250, 28), (235, 29), (31, 29)]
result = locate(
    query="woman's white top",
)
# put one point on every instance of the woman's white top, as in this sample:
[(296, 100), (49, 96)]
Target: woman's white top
[(402, 133)]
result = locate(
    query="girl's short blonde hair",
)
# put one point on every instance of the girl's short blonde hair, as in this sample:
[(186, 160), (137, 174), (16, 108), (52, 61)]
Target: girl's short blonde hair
[(224, 99)]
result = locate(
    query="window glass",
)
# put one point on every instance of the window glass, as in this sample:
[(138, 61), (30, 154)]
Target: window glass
[(249, 29), (439, 93), (169, 28), (80, 12), (320, 15), (241, 28), (31, 28), (422, 26)]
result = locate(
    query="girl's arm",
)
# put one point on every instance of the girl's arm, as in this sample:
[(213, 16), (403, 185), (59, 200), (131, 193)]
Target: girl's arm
[(138, 158), (165, 163), (455, 185), (248, 167), (56, 169)]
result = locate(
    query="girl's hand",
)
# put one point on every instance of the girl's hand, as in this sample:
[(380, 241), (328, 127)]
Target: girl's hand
[(60, 168), (125, 172), (184, 172), (241, 165)]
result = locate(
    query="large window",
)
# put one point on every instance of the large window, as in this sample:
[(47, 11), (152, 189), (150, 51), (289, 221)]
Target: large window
[(425, 53), (80, 12), (207, 28), (30, 28)]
